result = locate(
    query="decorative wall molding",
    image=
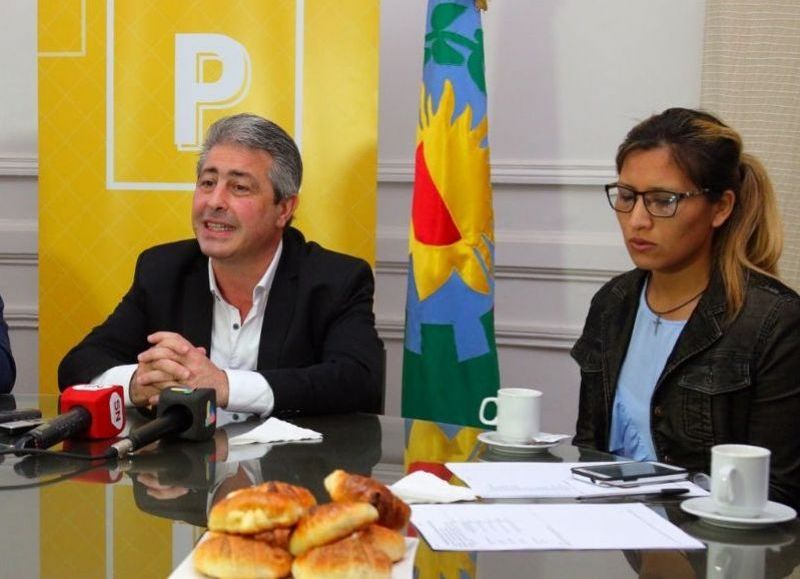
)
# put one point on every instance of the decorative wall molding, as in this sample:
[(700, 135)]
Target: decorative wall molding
[(18, 166), (570, 255), (518, 336), (25, 259), (505, 272), (517, 172), (19, 256), (19, 241), (507, 171), (554, 274), (21, 318)]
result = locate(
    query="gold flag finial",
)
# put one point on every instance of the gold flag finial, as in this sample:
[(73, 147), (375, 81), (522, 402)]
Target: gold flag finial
[(481, 4)]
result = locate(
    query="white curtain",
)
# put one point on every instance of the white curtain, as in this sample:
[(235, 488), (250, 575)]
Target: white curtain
[(751, 78)]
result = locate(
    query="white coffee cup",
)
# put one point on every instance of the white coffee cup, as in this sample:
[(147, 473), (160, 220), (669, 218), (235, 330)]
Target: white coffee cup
[(739, 479), (519, 412)]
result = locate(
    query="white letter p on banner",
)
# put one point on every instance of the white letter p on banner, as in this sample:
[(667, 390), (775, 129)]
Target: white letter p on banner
[(193, 95)]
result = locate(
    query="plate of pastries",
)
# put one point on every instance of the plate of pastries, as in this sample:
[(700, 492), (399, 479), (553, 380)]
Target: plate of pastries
[(277, 529)]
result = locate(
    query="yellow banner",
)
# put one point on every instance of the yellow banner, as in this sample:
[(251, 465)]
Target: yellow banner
[(127, 89)]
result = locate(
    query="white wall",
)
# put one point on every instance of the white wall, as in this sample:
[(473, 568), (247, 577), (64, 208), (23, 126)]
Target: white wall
[(19, 284), (566, 79)]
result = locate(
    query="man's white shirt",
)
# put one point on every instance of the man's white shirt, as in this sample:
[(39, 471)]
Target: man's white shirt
[(234, 348)]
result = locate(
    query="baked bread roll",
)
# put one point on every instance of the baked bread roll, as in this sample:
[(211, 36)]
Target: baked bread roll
[(389, 542), (328, 523), (301, 494), (346, 559), (224, 555), (342, 486), (275, 537), (250, 511)]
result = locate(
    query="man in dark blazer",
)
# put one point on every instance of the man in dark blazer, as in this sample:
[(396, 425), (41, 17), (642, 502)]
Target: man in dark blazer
[(275, 324)]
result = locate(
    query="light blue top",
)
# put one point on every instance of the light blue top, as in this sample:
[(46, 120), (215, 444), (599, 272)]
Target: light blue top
[(651, 344)]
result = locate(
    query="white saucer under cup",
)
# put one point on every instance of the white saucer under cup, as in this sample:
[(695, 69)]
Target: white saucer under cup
[(739, 479), (499, 445), (706, 509)]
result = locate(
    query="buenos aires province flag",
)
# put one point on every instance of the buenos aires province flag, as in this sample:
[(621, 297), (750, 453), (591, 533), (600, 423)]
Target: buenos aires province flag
[(450, 356)]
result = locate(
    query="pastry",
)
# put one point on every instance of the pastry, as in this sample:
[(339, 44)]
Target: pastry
[(387, 541), (328, 523), (301, 494), (251, 511), (346, 559), (343, 486), (275, 537), (222, 555)]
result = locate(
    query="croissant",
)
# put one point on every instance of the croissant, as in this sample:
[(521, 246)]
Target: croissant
[(275, 537), (345, 559), (301, 494), (223, 555), (393, 513), (328, 523), (251, 511), (387, 541)]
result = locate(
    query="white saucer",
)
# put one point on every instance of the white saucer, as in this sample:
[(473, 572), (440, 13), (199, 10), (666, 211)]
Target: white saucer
[(495, 443), (704, 508)]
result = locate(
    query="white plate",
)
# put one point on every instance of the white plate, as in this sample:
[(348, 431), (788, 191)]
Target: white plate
[(704, 508), (403, 569), (492, 440)]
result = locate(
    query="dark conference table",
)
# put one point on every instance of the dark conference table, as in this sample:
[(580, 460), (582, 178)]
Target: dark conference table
[(141, 518)]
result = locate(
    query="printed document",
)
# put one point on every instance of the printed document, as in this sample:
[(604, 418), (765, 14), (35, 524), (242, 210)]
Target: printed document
[(519, 480), (507, 527)]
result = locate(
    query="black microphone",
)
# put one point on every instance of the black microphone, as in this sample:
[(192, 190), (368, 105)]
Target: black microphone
[(183, 412), (22, 414), (90, 411), (59, 428), (175, 464)]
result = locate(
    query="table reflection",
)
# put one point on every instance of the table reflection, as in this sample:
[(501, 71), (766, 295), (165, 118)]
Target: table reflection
[(203, 477), (98, 519)]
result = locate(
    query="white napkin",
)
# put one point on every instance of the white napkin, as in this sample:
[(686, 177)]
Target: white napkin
[(423, 487), (275, 430)]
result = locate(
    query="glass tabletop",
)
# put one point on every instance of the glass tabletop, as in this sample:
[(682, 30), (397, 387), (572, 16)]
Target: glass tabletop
[(141, 517)]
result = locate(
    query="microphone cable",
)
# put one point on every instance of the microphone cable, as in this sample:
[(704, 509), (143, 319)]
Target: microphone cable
[(26, 451), (59, 478)]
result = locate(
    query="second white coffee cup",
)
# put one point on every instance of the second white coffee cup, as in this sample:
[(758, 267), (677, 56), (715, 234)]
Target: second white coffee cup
[(518, 415), (739, 479)]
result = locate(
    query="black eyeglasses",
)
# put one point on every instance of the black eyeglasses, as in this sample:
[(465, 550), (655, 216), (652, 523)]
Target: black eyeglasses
[(659, 203)]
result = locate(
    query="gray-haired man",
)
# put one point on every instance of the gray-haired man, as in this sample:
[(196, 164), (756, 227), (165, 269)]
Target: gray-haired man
[(275, 324)]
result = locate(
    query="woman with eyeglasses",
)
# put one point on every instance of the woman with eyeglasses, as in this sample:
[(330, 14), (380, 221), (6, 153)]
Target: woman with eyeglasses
[(700, 344)]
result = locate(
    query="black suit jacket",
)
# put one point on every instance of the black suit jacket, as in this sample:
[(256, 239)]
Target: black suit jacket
[(319, 350), (8, 370)]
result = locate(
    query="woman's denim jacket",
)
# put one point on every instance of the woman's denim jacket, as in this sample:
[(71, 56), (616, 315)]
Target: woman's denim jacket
[(725, 382)]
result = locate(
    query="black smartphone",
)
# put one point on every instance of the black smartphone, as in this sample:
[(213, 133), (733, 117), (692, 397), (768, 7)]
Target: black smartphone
[(629, 473), (17, 427)]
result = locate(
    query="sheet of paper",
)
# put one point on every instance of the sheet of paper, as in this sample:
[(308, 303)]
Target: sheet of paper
[(506, 527), (516, 480)]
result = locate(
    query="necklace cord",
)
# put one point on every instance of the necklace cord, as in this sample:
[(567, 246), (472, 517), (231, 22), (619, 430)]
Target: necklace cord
[(676, 308)]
